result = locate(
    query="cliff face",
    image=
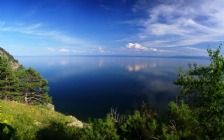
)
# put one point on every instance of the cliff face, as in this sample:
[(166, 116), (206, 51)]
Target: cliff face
[(14, 63)]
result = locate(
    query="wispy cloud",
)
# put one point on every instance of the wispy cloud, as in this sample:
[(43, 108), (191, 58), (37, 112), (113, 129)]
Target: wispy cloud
[(51, 49), (64, 50), (2, 23), (181, 23), (105, 7), (38, 36), (100, 50), (38, 29)]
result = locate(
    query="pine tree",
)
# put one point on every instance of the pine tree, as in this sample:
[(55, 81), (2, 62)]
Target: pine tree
[(33, 87), (8, 80)]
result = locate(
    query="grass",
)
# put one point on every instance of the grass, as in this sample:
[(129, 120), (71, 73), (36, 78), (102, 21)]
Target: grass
[(35, 122)]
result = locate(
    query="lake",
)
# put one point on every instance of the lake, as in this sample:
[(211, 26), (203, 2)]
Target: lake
[(87, 87)]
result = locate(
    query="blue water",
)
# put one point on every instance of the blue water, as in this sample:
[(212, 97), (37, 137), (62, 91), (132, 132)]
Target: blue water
[(87, 87)]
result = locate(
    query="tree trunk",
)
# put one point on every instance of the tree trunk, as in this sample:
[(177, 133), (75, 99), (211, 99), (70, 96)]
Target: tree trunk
[(5, 98), (26, 99)]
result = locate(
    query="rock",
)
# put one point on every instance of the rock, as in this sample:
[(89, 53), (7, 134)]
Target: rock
[(50, 106), (75, 122), (36, 122)]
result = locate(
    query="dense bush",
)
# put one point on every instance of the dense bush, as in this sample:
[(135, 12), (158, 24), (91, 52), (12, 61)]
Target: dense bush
[(142, 124), (183, 123), (100, 129)]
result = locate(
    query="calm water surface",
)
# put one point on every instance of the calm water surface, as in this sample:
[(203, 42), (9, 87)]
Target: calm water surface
[(87, 87)]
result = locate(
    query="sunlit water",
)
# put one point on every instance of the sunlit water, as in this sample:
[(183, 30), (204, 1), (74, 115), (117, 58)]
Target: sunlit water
[(87, 87)]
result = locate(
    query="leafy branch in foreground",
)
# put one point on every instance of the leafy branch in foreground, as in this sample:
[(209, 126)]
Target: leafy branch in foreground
[(202, 88)]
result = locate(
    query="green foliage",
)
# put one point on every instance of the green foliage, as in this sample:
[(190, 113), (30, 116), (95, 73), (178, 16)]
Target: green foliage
[(22, 85), (33, 87), (25, 122), (183, 123), (141, 125), (101, 129), (138, 127), (58, 131), (8, 80), (203, 85), (6, 131), (202, 88)]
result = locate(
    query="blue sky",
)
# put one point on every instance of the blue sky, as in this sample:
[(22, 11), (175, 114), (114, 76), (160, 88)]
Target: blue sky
[(111, 27)]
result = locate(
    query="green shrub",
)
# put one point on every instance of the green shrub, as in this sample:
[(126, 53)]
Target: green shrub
[(137, 127), (141, 125), (183, 123), (100, 129), (202, 88), (58, 131)]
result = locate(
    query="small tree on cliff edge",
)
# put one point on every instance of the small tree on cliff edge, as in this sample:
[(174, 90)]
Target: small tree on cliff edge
[(33, 87)]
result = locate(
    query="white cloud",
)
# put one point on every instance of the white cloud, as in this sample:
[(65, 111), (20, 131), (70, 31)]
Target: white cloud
[(192, 48), (138, 46), (134, 45), (153, 49), (64, 50), (181, 22), (130, 45), (164, 29)]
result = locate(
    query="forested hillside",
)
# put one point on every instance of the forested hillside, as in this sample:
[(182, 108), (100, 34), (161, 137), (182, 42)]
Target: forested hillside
[(21, 84)]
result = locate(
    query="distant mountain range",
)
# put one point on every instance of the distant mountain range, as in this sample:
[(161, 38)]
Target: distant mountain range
[(189, 57), (179, 57)]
